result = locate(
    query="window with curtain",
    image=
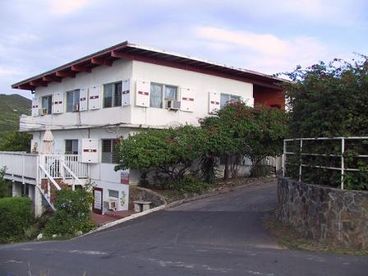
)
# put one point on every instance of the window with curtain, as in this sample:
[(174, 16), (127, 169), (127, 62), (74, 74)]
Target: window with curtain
[(71, 146), (156, 95), (161, 92), (112, 94), (110, 151), (228, 98), (47, 104), (171, 92), (72, 100)]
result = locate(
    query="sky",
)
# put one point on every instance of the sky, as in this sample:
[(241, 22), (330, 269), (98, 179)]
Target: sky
[(265, 36)]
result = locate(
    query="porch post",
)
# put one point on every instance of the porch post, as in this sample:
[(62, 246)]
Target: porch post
[(38, 209)]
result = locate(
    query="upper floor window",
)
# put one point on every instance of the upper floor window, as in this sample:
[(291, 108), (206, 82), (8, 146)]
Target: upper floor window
[(228, 98), (112, 94), (71, 146), (161, 92), (46, 102), (72, 100), (110, 151)]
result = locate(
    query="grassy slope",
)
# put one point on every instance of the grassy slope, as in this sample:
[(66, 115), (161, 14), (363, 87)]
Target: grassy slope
[(11, 107)]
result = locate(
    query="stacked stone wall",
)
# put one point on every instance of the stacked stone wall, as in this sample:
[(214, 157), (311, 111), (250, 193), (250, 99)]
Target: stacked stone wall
[(338, 217)]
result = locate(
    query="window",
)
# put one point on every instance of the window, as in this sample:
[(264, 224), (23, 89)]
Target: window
[(110, 151), (228, 98), (46, 104), (160, 92), (71, 146), (72, 100), (112, 94), (113, 193)]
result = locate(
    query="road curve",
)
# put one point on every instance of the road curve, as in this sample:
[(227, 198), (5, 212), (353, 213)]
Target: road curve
[(220, 235)]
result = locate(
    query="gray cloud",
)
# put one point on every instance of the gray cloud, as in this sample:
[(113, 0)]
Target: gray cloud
[(38, 35)]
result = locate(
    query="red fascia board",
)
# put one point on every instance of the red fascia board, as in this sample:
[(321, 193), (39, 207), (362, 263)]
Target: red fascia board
[(75, 62)]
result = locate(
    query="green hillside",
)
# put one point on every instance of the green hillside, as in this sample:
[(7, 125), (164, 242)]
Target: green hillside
[(11, 107)]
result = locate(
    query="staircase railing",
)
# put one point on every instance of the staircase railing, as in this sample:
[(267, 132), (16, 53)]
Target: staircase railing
[(53, 166)]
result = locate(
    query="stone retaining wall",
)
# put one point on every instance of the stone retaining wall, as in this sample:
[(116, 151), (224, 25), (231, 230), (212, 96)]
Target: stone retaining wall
[(335, 216), (139, 193)]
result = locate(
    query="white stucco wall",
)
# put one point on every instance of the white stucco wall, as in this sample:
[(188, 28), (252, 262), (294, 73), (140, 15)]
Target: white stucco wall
[(102, 175), (93, 123), (120, 70), (200, 83)]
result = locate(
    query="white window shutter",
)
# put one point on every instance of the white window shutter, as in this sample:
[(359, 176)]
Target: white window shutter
[(213, 102), (89, 150), (35, 106), (142, 94), (58, 103), (125, 93), (249, 102), (83, 99), (95, 97), (187, 100)]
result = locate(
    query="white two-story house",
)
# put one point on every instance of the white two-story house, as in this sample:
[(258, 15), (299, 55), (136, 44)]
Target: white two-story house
[(82, 109)]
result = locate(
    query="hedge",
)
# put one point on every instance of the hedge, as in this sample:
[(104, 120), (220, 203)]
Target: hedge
[(15, 217)]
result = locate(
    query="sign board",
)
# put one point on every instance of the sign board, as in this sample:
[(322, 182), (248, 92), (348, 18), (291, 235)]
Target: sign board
[(124, 177), (97, 200)]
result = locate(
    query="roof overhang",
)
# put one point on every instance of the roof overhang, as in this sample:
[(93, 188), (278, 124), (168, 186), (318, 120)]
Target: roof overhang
[(130, 51)]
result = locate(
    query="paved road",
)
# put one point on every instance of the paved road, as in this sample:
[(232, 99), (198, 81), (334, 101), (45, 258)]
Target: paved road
[(221, 235)]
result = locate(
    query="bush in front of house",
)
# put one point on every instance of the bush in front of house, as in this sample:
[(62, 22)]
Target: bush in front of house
[(189, 185), (329, 100), (4, 185), (72, 213), (234, 132), (15, 217), (169, 153)]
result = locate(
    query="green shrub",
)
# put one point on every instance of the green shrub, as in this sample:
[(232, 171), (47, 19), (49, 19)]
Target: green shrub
[(15, 217), (189, 184), (4, 185), (329, 100), (72, 213)]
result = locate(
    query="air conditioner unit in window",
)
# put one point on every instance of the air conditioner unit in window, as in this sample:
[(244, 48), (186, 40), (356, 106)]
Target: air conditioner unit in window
[(43, 111), (113, 204), (173, 105), (76, 107)]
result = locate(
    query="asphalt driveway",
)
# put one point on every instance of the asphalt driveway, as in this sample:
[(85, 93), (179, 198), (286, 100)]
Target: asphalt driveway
[(221, 235)]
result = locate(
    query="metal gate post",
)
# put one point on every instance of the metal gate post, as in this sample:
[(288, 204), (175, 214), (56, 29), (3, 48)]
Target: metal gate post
[(300, 159), (284, 159), (342, 162)]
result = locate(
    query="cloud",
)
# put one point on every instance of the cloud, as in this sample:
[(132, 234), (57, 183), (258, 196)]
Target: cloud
[(9, 71), (64, 7), (263, 51)]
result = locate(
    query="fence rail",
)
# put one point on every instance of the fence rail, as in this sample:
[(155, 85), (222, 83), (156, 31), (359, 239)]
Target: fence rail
[(19, 164), (25, 165), (301, 154)]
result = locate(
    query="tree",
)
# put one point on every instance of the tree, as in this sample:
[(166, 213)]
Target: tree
[(245, 131), (4, 185), (16, 141), (329, 99), (235, 131), (169, 152)]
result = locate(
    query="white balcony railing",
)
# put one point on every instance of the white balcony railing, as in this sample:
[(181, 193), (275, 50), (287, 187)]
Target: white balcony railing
[(21, 165)]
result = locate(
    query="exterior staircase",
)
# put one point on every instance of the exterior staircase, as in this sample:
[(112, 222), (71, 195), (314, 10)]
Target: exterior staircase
[(55, 174)]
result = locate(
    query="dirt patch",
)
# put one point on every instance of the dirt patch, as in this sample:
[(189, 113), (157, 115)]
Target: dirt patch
[(218, 186)]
